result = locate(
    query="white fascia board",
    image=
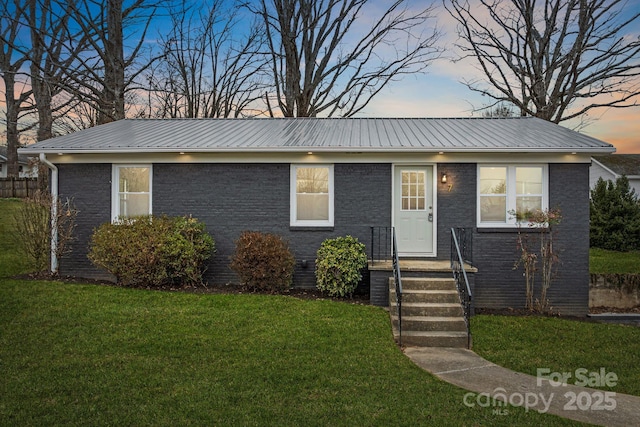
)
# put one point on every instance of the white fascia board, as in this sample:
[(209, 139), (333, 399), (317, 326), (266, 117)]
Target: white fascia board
[(319, 157), (325, 150)]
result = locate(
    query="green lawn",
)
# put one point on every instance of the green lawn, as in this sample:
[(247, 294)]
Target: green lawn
[(603, 262), (98, 355), (525, 344), (11, 261)]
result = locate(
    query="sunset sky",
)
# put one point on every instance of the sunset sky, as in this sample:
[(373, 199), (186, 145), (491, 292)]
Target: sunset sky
[(439, 93)]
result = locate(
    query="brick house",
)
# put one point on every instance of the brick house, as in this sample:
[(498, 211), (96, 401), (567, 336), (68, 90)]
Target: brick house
[(308, 179)]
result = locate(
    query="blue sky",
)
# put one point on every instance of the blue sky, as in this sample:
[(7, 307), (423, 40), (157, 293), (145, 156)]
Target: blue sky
[(439, 93)]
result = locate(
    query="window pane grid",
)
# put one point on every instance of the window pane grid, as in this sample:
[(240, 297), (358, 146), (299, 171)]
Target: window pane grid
[(504, 190), (413, 190)]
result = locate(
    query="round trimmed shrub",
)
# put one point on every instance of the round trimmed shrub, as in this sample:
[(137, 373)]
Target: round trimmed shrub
[(263, 261), (339, 265)]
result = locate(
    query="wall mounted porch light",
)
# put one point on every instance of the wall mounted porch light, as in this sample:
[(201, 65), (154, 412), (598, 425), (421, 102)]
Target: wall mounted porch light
[(443, 179)]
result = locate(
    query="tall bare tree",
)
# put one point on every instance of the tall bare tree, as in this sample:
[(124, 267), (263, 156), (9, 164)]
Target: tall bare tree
[(52, 52), (211, 65), (553, 59), (109, 68), (332, 57), (17, 92)]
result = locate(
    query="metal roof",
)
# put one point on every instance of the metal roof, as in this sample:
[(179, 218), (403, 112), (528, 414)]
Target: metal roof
[(523, 134)]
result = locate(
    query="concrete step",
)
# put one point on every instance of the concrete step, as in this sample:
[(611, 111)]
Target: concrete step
[(427, 309), (431, 323), (426, 296), (433, 338), (422, 283)]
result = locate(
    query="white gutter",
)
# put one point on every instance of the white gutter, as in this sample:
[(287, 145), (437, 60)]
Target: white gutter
[(54, 211)]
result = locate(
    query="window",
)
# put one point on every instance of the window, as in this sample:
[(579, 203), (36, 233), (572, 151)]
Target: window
[(311, 195), (131, 191), (503, 190)]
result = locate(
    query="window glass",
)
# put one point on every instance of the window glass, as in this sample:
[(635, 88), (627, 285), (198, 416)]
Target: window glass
[(413, 190), (493, 190), (133, 190), (313, 195), (493, 209), (493, 180), (505, 190), (529, 180), (134, 180), (528, 190)]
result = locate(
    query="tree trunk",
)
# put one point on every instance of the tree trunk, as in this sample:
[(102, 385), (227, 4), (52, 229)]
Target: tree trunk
[(111, 105), (13, 136)]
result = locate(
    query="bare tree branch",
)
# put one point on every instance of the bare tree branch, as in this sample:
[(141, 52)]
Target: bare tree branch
[(211, 65), (16, 90), (322, 62), (553, 59)]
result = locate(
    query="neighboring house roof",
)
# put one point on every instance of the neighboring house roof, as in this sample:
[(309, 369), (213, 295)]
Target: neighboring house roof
[(324, 134), (24, 160), (620, 164)]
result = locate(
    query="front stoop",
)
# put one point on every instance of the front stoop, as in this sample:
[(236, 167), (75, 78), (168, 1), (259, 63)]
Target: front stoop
[(431, 313)]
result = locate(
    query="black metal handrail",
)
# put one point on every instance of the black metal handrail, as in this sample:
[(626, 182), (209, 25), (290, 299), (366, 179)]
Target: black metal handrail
[(465, 241), (381, 244), (398, 282), (384, 247), (462, 282)]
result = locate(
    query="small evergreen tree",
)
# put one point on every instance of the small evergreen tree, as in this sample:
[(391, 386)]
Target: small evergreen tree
[(615, 216)]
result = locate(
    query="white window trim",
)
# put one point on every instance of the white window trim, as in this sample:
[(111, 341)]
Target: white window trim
[(293, 203), (511, 192), (115, 187)]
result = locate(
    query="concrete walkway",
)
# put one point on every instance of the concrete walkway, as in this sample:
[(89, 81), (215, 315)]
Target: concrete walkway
[(484, 379)]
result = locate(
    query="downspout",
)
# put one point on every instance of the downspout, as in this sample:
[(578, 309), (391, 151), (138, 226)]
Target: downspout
[(54, 211)]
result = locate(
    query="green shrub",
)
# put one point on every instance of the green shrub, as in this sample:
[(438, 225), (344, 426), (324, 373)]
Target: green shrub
[(615, 216), (152, 251), (263, 261), (339, 264), (189, 247)]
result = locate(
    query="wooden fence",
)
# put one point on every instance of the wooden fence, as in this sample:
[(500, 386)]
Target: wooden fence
[(18, 187)]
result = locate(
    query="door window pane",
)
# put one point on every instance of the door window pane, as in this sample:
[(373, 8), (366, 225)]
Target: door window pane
[(413, 190)]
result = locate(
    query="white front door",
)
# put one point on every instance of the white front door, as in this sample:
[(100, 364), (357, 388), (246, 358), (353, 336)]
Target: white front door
[(413, 210)]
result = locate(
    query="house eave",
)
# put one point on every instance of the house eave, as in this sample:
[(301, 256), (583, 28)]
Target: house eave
[(337, 150)]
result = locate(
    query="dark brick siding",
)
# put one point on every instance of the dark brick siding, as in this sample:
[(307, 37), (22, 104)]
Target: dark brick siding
[(89, 186), (498, 285), (456, 208), (231, 198)]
